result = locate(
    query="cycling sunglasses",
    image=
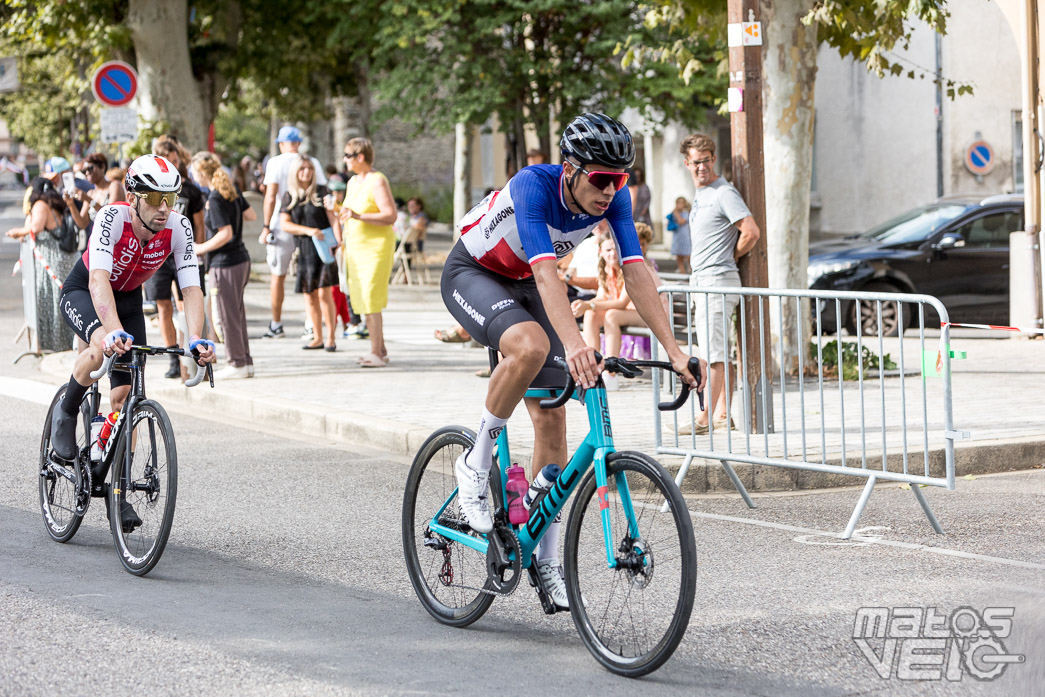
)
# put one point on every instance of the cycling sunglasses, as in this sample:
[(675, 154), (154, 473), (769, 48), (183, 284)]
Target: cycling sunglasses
[(154, 198), (600, 180)]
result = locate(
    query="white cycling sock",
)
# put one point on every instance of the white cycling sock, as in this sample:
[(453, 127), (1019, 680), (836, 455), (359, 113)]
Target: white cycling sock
[(490, 427), (548, 547)]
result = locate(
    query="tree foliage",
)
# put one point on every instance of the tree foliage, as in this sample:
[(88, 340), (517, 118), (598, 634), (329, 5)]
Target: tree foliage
[(465, 61)]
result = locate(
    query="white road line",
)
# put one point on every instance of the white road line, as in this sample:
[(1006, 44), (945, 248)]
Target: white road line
[(874, 540), (29, 390)]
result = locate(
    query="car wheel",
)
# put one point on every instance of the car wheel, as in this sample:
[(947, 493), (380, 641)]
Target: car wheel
[(866, 313)]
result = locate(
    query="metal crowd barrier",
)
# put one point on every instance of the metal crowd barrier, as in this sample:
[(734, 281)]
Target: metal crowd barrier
[(866, 421)]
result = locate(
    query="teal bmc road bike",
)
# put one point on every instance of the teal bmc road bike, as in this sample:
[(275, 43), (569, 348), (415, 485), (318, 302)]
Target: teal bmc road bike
[(630, 557), (143, 460)]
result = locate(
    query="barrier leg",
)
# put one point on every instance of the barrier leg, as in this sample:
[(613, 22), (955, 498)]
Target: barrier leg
[(925, 507), (738, 484), (858, 511), (678, 478)]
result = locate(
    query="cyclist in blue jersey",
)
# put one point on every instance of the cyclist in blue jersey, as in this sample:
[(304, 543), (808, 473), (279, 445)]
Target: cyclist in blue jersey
[(500, 283)]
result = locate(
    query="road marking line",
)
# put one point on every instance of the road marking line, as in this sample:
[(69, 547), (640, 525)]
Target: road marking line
[(942, 551), (29, 390)]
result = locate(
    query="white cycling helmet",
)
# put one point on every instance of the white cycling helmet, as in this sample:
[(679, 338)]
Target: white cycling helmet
[(152, 173)]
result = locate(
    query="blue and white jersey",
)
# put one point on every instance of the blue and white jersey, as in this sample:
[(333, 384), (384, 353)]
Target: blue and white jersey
[(528, 220)]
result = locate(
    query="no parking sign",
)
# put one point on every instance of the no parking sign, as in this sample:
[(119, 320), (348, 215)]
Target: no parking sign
[(115, 83), (979, 158)]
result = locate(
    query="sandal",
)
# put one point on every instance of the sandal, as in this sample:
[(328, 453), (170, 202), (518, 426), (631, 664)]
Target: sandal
[(385, 358), (371, 360), (453, 335)]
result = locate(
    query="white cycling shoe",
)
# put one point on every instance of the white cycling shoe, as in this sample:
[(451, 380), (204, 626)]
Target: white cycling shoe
[(473, 490), (554, 583)]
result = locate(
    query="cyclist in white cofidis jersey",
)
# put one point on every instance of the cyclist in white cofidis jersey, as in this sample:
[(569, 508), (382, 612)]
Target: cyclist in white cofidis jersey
[(500, 283), (102, 299)]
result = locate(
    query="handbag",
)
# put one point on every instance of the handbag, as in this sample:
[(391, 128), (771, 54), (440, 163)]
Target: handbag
[(67, 233)]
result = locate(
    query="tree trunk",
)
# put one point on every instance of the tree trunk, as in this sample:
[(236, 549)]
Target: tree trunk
[(789, 73), (363, 86), (168, 91)]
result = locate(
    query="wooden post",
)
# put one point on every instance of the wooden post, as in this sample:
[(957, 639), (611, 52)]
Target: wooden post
[(745, 74)]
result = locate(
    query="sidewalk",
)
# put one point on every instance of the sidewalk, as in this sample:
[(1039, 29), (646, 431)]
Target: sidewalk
[(429, 384)]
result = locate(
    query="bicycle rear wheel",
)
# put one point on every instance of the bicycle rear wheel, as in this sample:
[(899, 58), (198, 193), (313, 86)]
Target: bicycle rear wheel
[(447, 576), (63, 500), (632, 617), (147, 482)]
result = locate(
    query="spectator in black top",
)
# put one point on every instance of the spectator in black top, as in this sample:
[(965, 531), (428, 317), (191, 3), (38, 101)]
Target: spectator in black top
[(190, 204), (227, 259), (304, 213)]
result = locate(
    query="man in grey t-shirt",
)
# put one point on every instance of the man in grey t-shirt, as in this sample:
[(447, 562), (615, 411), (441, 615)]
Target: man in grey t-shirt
[(721, 230)]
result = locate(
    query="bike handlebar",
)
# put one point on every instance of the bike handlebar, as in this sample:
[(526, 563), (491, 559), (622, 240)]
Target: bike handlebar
[(629, 369), (201, 370)]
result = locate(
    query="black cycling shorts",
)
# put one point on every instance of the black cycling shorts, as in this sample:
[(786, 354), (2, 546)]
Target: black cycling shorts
[(487, 304), (78, 310)]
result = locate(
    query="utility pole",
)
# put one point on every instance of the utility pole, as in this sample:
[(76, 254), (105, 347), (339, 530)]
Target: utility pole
[(745, 105)]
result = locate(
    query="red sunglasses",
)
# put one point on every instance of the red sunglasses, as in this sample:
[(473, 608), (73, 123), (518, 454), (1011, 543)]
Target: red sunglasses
[(600, 180)]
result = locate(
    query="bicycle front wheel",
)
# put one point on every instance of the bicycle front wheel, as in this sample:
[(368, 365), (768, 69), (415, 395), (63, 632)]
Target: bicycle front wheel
[(447, 576), (633, 616), (144, 489), (62, 501)]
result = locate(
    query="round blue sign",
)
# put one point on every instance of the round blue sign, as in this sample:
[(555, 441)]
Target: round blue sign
[(115, 83), (979, 158)]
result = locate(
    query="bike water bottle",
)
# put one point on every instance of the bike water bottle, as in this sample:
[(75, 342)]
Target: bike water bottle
[(103, 435), (542, 483), (515, 488), (96, 431)]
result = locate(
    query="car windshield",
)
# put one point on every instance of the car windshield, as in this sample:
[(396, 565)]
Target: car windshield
[(916, 225)]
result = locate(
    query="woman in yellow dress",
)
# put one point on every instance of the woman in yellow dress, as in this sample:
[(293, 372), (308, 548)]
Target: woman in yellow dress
[(366, 218)]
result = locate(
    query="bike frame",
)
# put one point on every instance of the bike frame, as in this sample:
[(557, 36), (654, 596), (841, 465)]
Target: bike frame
[(596, 448), (137, 394)]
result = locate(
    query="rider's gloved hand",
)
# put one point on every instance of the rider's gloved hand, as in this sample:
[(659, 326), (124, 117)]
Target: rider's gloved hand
[(117, 341), (202, 350)]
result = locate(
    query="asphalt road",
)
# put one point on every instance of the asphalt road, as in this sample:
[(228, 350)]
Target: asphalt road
[(284, 576)]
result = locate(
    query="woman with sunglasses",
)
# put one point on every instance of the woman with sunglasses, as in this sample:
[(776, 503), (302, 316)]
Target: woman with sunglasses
[(105, 191), (501, 283), (102, 299)]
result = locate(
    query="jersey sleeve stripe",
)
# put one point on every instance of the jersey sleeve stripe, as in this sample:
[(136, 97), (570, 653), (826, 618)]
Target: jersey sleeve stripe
[(539, 257), (631, 260)]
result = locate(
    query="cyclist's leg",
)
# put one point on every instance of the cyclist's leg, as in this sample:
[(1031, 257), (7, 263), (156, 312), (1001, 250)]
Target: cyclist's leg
[(488, 308), (78, 311), (549, 448)]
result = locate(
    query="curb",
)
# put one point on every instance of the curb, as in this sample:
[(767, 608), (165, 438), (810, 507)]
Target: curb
[(704, 476)]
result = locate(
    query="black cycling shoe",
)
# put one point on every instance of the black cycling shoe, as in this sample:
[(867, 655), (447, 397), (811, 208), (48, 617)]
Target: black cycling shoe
[(175, 370), (129, 520), (63, 433)]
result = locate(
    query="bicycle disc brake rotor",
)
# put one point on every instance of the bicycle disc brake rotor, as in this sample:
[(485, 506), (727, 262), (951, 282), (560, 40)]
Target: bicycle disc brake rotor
[(503, 561), (636, 559)]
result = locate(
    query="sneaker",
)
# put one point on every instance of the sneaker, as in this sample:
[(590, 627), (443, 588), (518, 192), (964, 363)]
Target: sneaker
[(472, 490), (554, 583), (306, 333), (232, 372), (63, 433), (355, 332), (611, 382), (276, 333)]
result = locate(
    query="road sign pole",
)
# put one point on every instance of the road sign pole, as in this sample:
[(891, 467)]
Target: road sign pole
[(745, 76)]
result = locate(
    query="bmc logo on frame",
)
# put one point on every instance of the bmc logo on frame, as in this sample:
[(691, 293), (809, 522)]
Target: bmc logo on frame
[(915, 643)]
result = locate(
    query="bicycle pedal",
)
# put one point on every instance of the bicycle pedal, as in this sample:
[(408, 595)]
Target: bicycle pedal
[(546, 602)]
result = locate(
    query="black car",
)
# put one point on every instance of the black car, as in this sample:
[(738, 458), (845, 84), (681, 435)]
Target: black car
[(955, 249)]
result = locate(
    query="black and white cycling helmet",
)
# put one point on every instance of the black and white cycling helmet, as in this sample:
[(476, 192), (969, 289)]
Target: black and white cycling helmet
[(152, 173), (598, 139)]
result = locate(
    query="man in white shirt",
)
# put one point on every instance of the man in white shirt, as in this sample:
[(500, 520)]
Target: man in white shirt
[(279, 244)]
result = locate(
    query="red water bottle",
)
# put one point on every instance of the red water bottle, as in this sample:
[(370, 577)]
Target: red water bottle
[(103, 435), (515, 488)]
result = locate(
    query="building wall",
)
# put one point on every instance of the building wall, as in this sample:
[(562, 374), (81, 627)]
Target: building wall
[(875, 139)]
